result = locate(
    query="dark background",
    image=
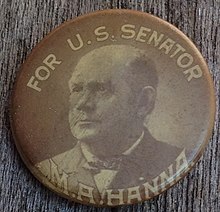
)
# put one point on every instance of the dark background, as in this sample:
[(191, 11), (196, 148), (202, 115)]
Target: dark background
[(23, 23)]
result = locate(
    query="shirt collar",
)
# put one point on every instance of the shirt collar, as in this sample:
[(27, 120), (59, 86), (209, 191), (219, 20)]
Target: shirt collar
[(134, 146), (87, 154), (92, 158)]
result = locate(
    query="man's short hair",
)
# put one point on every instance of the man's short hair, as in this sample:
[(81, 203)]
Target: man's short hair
[(143, 72)]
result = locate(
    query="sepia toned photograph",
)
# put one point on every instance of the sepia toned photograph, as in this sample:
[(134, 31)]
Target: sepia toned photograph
[(113, 91)]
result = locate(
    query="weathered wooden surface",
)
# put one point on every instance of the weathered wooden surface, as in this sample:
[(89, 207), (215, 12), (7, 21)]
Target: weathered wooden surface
[(23, 23)]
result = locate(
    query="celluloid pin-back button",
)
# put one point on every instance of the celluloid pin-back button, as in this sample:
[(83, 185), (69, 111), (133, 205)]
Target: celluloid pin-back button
[(112, 108)]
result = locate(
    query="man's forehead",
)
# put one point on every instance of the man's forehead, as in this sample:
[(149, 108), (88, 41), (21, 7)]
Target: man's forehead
[(104, 63), (91, 73)]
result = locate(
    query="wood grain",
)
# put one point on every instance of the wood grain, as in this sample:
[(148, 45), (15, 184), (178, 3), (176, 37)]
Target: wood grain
[(25, 22)]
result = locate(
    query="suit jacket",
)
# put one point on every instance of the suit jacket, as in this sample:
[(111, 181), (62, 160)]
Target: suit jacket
[(148, 160)]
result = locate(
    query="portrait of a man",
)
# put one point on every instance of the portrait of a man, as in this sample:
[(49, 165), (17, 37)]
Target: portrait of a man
[(112, 93)]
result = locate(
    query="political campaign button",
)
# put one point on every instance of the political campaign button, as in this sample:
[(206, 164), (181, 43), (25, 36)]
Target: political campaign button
[(112, 108)]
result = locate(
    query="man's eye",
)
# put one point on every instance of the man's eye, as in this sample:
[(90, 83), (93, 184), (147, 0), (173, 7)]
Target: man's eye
[(77, 89)]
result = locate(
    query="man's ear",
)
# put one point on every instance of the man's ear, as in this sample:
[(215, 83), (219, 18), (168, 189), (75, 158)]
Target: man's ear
[(146, 101)]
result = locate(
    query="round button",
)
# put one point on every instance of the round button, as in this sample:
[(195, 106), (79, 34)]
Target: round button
[(112, 108)]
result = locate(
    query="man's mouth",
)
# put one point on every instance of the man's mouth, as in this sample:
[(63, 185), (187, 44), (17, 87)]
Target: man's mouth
[(87, 121)]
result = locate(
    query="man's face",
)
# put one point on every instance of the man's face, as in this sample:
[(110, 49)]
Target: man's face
[(100, 101)]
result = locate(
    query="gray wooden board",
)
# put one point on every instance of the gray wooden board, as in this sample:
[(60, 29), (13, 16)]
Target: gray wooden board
[(23, 23)]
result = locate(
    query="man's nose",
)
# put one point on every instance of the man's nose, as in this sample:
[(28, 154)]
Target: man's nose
[(86, 102)]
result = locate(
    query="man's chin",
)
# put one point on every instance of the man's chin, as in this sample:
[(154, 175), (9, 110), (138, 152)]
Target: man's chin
[(88, 137)]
